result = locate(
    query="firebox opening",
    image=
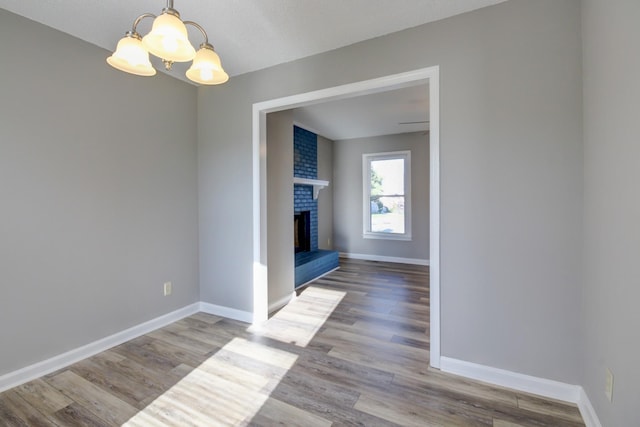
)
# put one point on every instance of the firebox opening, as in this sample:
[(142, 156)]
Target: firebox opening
[(302, 231)]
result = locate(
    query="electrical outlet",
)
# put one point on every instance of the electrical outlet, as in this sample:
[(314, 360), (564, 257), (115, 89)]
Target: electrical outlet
[(167, 288), (608, 387)]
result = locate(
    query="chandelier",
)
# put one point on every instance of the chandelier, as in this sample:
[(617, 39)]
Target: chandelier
[(168, 40)]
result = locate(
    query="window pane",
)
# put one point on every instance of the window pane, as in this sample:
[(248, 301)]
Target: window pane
[(387, 177), (387, 196), (387, 214)]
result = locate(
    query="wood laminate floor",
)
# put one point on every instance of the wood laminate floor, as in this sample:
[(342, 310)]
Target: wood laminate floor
[(351, 350)]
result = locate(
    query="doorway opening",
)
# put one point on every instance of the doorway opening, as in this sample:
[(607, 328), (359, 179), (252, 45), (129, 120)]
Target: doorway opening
[(260, 110)]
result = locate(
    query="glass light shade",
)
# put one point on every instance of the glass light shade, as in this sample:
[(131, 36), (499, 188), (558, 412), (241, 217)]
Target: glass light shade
[(131, 57), (168, 39), (206, 68)]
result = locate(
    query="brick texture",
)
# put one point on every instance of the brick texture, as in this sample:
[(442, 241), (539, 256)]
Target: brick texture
[(305, 165)]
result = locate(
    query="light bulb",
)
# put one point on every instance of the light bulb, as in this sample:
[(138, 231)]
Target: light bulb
[(206, 74), (169, 44)]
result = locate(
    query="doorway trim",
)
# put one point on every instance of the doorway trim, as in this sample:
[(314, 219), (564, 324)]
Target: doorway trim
[(429, 75)]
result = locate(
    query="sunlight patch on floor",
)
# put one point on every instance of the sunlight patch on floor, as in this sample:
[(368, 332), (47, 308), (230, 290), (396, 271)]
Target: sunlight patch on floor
[(230, 387), (299, 321), (219, 391)]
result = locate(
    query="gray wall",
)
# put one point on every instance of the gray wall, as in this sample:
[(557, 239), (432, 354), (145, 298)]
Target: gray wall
[(98, 194), (325, 197), (511, 176), (612, 207), (348, 196), (280, 273)]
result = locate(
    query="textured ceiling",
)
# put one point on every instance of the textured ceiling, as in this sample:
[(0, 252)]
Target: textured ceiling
[(248, 34)]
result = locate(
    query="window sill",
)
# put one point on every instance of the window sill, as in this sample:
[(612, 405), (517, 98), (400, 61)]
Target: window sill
[(386, 236)]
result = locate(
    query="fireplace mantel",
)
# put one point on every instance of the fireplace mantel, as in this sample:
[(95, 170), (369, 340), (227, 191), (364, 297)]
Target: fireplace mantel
[(317, 184)]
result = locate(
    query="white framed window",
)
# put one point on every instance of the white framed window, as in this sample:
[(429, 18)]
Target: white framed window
[(386, 179)]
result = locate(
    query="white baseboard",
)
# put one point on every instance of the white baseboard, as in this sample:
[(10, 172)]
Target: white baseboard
[(230, 313), (514, 380), (588, 412), (281, 302), (526, 383), (28, 373), (368, 257)]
